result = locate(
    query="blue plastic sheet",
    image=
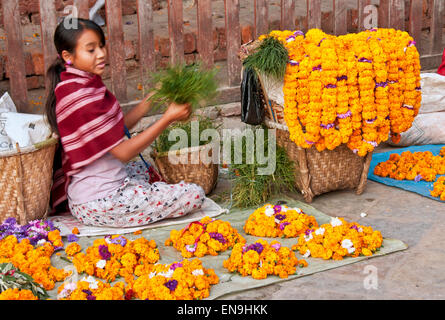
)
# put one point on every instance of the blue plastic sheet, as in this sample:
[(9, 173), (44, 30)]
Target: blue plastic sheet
[(422, 187)]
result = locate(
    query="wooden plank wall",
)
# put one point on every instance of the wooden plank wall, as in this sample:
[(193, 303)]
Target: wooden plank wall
[(391, 14)]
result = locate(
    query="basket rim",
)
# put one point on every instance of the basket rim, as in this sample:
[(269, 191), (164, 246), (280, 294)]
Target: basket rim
[(37, 146), (155, 154)]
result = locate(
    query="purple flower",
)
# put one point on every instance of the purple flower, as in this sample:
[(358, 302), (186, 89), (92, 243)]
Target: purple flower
[(277, 208), (418, 178), (91, 297), (104, 253), (418, 88), (327, 126), (283, 225), (344, 115), (406, 106), (280, 217), (364, 60), (88, 292), (317, 68), (354, 227), (72, 238), (308, 232), (119, 240), (331, 86), (371, 120), (299, 33), (175, 265), (309, 142), (319, 44), (294, 63), (258, 247), (217, 236), (290, 38), (171, 284), (381, 84), (342, 78), (191, 247)]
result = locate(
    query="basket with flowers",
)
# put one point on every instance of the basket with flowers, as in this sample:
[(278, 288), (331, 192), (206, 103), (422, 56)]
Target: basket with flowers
[(339, 98), (278, 221), (185, 280), (339, 239), (207, 236), (262, 259)]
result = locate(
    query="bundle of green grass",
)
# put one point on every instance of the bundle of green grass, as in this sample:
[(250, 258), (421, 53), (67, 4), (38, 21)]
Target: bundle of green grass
[(182, 84)]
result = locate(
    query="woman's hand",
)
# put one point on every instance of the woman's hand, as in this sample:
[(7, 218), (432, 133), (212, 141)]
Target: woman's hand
[(177, 112)]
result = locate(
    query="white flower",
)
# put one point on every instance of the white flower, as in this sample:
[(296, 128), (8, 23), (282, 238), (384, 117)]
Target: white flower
[(198, 272), (297, 209), (347, 244), (41, 242), (335, 222), (269, 212), (307, 253), (101, 264), (284, 208), (152, 274), (167, 274), (363, 214), (67, 289), (309, 237), (319, 231)]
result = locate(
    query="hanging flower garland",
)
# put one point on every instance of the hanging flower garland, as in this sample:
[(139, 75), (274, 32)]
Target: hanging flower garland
[(339, 239), (262, 259), (358, 89), (278, 221), (207, 236)]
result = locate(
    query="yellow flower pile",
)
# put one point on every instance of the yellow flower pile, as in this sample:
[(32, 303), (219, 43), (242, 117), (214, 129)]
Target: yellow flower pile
[(34, 261), (339, 239), (278, 221), (412, 166), (207, 236), (439, 188), (115, 255), (16, 294), (186, 280), (355, 89), (261, 259), (89, 288)]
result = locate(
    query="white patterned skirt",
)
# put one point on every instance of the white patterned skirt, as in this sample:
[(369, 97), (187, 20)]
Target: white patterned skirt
[(139, 201)]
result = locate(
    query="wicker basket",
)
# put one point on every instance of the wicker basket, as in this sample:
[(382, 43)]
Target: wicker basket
[(25, 181), (188, 166), (315, 172)]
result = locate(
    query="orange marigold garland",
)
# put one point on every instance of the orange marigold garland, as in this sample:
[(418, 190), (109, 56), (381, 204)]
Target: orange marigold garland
[(278, 221), (17, 294), (439, 188), (339, 239), (185, 280), (261, 259), (207, 236), (359, 89)]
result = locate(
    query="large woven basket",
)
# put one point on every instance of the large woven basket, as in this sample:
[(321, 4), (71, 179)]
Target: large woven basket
[(188, 166), (315, 172), (26, 180)]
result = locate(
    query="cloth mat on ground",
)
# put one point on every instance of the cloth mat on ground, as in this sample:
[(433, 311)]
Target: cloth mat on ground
[(66, 222), (422, 187), (230, 282)]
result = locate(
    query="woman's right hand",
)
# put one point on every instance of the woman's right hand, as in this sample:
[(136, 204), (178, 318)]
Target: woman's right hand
[(178, 112)]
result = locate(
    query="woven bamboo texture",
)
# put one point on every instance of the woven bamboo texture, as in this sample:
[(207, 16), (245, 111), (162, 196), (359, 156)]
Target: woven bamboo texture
[(25, 182), (189, 167)]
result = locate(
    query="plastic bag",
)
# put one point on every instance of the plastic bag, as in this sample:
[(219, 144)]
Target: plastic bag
[(252, 109), (6, 105)]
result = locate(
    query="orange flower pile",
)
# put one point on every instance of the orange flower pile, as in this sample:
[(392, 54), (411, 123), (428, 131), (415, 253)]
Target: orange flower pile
[(339, 239), (89, 288), (355, 89), (207, 236), (115, 255), (261, 259), (439, 188), (16, 294), (412, 166), (278, 221), (186, 280), (34, 261)]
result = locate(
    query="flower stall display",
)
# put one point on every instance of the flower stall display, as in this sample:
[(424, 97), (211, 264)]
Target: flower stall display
[(339, 239), (439, 188), (114, 256), (207, 236), (357, 89), (339, 98), (412, 166), (185, 280), (89, 288), (17, 294), (261, 259), (278, 221)]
